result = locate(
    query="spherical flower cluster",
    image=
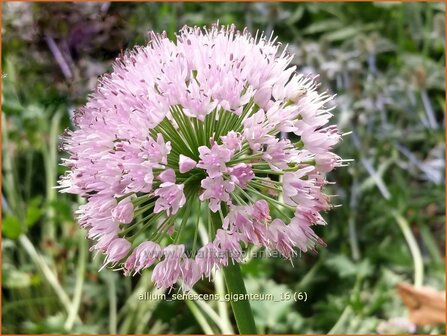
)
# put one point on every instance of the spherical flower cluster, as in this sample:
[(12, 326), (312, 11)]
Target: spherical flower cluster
[(214, 124)]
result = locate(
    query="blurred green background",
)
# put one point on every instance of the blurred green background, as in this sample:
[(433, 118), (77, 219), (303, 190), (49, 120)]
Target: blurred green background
[(385, 62)]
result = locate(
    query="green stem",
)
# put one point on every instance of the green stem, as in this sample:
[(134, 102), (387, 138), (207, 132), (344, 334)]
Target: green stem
[(200, 318), (51, 278), (222, 306), (50, 161), (245, 159), (414, 248), (241, 308), (341, 320), (112, 305), (235, 287), (80, 272)]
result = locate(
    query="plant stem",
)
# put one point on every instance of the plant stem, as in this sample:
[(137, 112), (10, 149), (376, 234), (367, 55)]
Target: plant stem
[(80, 273), (241, 308), (235, 287), (222, 307), (50, 161), (207, 309), (414, 248), (112, 304), (47, 272), (200, 318), (341, 320)]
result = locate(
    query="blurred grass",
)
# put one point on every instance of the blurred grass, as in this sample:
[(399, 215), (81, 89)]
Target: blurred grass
[(385, 61)]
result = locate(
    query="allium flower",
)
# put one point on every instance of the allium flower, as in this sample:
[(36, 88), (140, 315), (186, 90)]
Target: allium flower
[(182, 128)]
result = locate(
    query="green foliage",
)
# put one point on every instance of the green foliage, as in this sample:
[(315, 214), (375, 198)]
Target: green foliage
[(385, 62), (11, 227)]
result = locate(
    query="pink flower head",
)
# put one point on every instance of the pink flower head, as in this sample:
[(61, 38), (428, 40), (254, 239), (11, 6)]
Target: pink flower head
[(156, 151), (260, 211), (123, 212), (167, 175), (228, 243), (241, 220), (256, 130), (103, 243), (191, 273), (167, 272), (309, 215), (278, 154), (213, 159), (241, 174), (208, 258), (302, 235), (326, 162), (283, 116), (139, 176), (279, 236), (232, 141), (186, 164), (253, 232), (142, 257), (297, 188), (216, 190), (263, 96), (117, 250), (170, 198), (183, 129), (322, 140)]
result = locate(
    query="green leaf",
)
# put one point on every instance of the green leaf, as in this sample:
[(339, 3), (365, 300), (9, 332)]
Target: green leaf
[(269, 313), (342, 34), (16, 279), (323, 26), (296, 16), (345, 33), (11, 227), (33, 212), (347, 268), (63, 209)]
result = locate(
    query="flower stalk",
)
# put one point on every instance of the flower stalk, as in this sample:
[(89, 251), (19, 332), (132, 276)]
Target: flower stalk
[(236, 288), (241, 308)]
